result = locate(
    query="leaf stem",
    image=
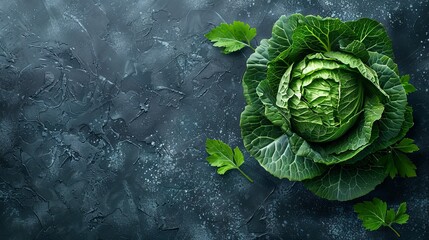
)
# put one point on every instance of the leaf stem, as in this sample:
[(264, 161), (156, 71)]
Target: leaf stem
[(396, 232), (252, 47), (245, 175)]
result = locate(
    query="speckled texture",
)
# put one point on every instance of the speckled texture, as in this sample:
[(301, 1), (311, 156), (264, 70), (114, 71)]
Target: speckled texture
[(105, 107)]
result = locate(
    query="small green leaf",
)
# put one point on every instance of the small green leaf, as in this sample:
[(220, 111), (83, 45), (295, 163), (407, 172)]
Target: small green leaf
[(390, 215), (222, 170), (374, 214), (405, 80), (390, 165), (219, 149), (401, 216), (406, 145), (397, 163), (402, 219), (232, 37), (222, 156), (238, 157), (405, 167), (402, 209)]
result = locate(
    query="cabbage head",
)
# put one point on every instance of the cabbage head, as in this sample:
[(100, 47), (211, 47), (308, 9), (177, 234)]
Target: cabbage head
[(324, 97)]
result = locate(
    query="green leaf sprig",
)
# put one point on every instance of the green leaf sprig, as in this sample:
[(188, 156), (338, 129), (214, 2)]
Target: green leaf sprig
[(409, 88), (232, 37), (223, 157), (397, 162), (374, 214)]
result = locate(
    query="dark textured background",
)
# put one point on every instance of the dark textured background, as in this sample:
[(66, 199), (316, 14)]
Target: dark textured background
[(105, 107)]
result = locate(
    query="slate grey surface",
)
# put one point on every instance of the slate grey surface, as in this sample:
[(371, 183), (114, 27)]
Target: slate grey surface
[(105, 107)]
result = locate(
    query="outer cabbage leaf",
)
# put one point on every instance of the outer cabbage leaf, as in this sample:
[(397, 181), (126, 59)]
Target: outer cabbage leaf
[(283, 30), (356, 48), (406, 125), (321, 34), (393, 115), (373, 35), (270, 146), (256, 72), (278, 66), (274, 113), (344, 182), (397, 119), (369, 74)]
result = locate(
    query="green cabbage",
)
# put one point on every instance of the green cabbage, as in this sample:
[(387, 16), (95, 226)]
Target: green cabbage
[(323, 98)]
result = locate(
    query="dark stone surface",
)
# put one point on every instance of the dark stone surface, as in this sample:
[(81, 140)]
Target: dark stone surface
[(105, 107)]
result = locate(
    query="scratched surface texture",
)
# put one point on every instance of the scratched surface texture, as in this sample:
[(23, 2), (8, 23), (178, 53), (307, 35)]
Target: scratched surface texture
[(105, 107)]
